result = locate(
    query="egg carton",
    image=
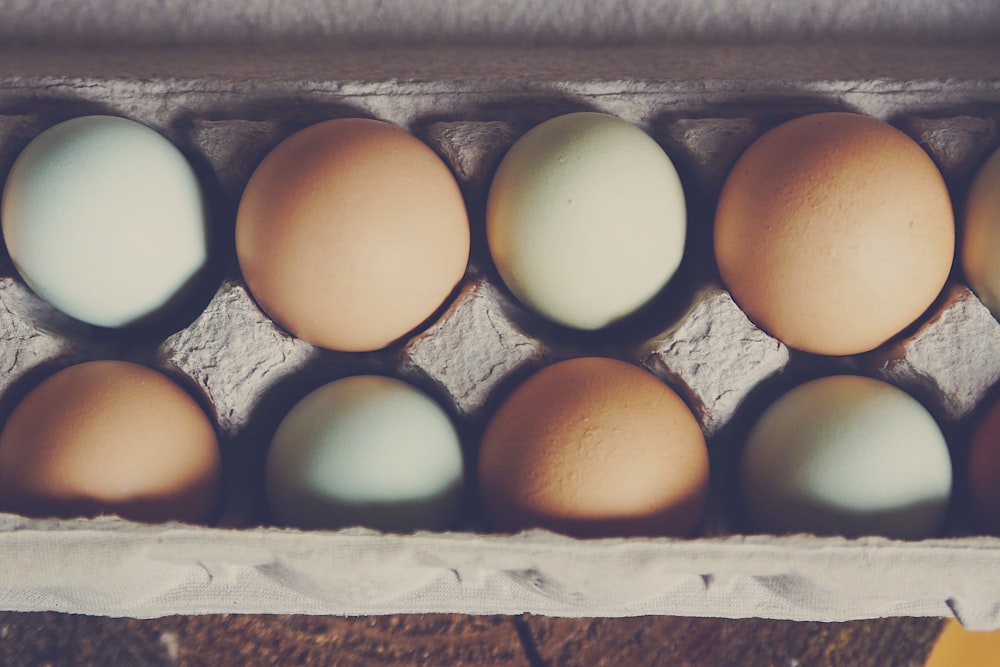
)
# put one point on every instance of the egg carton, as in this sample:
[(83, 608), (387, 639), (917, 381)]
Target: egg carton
[(704, 105)]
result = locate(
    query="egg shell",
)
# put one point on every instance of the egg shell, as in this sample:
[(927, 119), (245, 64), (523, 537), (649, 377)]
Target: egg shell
[(834, 232), (846, 455), (366, 450), (104, 218), (110, 437), (983, 473), (980, 252), (586, 219), (352, 232), (594, 447)]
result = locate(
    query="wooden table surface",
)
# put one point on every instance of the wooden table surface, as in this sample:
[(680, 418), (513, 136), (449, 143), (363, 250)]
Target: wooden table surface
[(457, 640)]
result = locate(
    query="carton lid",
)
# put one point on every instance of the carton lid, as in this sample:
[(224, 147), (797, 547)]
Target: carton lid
[(313, 23)]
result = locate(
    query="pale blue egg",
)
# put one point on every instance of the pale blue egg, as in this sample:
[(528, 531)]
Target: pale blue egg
[(847, 455), (105, 219), (369, 451)]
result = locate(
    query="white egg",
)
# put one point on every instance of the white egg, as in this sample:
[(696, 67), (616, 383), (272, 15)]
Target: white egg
[(846, 455), (981, 238), (365, 450), (586, 219), (104, 218)]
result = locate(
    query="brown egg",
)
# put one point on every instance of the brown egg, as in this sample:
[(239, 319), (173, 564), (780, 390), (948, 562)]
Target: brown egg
[(594, 447), (984, 471), (834, 232), (110, 437), (352, 232)]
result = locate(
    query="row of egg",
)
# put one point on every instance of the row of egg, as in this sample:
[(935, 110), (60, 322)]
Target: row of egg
[(104, 219), (560, 188), (833, 231), (589, 446)]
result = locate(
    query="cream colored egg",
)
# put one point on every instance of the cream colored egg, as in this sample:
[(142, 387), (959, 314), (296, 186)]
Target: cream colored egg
[(586, 219)]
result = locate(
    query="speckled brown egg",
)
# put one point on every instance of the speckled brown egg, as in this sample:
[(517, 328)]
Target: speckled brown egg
[(351, 233), (834, 232), (594, 447), (110, 437)]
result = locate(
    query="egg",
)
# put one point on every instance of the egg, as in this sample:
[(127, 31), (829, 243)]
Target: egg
[(983, 473), (105, 219), (586, 219), (834, 232), (594, 447), (846, 455), (352, 232), (366, 450), (110, 437), (980, 251)]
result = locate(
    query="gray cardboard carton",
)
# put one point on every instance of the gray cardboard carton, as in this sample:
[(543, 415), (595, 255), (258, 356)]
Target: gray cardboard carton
[(226, 94)]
